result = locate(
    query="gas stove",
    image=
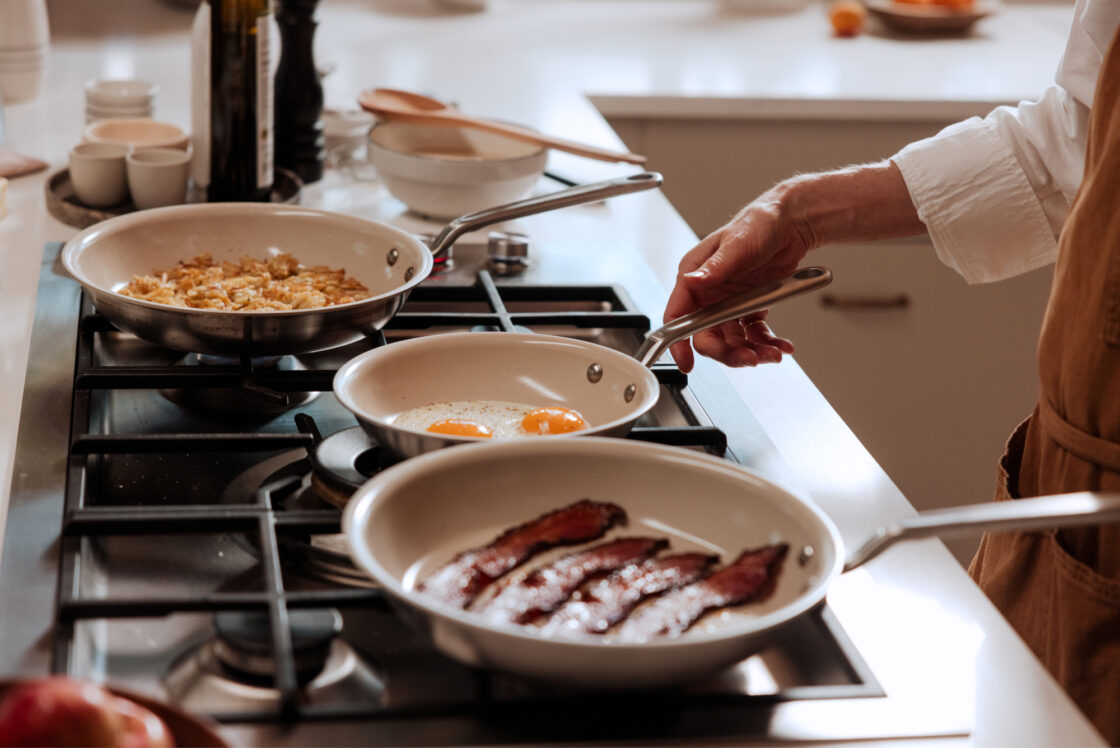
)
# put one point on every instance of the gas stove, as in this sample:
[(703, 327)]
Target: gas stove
[(174, 523)]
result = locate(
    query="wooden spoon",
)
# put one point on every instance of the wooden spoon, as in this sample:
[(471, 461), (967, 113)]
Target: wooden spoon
[(403, 106)]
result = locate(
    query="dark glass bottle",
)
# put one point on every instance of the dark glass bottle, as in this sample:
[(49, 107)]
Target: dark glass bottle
[(233, 100)]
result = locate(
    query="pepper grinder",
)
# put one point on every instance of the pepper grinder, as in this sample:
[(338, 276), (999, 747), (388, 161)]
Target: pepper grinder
[(300, 144)]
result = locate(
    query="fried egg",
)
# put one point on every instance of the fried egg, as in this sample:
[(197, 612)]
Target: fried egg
[(490, 418), (552, 419)]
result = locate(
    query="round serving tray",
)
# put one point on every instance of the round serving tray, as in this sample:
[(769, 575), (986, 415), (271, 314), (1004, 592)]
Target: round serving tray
[(928, 19), (64, 205)]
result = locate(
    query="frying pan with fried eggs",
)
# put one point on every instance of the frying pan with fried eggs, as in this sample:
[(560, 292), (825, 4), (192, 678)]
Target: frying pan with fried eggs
[(609, 388)]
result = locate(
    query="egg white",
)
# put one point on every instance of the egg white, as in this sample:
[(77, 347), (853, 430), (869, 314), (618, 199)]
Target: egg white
[(502, 418)]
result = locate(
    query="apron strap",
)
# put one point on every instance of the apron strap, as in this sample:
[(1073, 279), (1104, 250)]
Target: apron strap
[(1080, 443)]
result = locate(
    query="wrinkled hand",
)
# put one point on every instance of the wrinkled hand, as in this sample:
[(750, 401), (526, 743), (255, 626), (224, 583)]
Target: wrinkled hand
[(758, 245)]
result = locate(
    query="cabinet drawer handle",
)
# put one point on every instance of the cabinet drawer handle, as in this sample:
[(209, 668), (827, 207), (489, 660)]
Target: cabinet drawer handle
[(856, 301)]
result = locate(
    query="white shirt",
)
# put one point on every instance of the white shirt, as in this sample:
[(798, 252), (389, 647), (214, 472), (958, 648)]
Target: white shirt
[(994, 192)]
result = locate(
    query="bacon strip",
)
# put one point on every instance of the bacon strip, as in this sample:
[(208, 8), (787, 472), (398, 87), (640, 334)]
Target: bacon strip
[(747, 578), (610, 600), (462, 579), (546, 588)]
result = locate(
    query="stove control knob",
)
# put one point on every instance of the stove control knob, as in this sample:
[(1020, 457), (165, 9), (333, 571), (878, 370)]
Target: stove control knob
[(507, 253)]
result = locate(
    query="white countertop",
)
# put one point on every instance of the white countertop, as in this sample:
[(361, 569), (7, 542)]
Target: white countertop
[(923, 627)]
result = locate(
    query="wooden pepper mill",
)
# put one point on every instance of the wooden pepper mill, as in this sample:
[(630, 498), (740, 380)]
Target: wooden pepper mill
[(299, 93)]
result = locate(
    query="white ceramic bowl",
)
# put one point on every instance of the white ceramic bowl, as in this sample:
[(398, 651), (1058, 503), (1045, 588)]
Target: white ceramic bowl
[(346, 128), (95, 113), (24, 56), (138, 132), (446, 172), (21, 84), (118, 108), (24, 23), (40, 49), (22, 67), (117, 92)]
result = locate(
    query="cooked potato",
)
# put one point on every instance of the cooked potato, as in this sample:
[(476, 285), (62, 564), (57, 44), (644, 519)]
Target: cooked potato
[(279, 282)]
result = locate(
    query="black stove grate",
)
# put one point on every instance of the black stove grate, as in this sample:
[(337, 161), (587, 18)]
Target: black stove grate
[(132, 607), (259, 520)]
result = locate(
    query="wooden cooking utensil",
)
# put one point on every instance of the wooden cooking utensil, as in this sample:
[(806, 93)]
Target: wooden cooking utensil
[(14, 164), (404, 106)]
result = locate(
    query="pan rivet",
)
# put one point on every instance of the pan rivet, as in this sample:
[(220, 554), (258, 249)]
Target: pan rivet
[(408, 274), (594, 373), (806, 555), (393, 256), (629, 392)]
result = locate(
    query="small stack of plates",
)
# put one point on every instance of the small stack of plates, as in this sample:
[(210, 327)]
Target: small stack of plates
[(24, 45), (109, 99)]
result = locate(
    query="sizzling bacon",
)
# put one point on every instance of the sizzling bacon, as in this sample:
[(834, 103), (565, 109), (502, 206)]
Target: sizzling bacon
[(610, 600), (462, 579), (544, 589), (747, 578)]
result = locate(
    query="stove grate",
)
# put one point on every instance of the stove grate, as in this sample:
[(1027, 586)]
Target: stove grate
[(505, 308)]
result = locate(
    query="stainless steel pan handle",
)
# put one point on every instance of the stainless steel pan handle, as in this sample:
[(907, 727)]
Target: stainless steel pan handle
[(584, 193), (1043, 512), (756, 299)]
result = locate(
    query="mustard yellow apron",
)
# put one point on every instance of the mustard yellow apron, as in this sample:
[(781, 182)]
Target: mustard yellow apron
[(1061, 589)]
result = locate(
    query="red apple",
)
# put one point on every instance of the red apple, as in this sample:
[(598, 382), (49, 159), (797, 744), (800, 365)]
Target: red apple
[(143, 729), (59, 711)]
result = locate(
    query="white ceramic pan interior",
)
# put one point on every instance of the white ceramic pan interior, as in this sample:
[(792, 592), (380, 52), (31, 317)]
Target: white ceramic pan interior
[(525, 368), (109, 254), (608, 388), (385, 259), (420, 513)]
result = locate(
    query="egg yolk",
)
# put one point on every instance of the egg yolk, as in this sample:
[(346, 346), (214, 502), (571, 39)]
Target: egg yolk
[(552, 420), (460, 427)]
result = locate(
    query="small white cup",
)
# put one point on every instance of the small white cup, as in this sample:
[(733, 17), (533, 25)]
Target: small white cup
[(158, 176), (97, 171)]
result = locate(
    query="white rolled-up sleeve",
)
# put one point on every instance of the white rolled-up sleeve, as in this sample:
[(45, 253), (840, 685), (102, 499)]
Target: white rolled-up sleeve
[(994, 192)]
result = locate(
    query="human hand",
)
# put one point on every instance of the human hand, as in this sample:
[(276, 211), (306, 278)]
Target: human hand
[(768, 239), (761, 243)]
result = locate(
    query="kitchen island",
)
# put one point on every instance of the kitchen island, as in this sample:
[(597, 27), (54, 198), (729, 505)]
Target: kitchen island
[(951, 665)]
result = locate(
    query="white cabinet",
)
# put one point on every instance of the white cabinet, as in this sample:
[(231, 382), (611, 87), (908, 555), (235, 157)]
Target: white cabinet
[(930, 373)]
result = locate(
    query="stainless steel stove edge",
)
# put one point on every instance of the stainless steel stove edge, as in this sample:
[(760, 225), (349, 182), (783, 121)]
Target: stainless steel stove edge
[(29, 565)]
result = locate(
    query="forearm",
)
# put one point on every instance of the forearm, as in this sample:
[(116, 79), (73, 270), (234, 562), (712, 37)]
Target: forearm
[(856, 203), (769, 237)]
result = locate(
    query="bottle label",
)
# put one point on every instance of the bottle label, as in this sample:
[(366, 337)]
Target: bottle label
[(264, 102)]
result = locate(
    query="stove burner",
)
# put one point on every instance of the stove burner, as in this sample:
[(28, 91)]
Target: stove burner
[(336, 467), (231, 673), (344, 461), (244, 642), (249, 397)]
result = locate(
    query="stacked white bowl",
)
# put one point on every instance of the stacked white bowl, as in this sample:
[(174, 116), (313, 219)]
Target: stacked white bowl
[(111, 99), (24, 45)]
